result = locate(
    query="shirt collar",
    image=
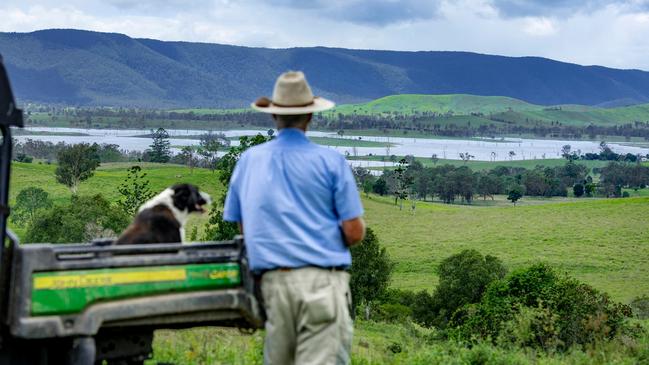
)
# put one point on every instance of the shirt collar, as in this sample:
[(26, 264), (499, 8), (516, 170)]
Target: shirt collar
[(292, 135)]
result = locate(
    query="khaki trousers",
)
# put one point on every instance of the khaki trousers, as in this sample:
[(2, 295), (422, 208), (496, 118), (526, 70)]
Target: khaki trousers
[(308, 317)]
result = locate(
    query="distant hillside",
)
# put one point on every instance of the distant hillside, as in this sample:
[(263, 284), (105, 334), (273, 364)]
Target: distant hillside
[(89, 68), (455, 103), (506, 108)]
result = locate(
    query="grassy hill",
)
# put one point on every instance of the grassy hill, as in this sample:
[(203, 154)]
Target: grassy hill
[(455, 103), (458, 109), (476, 110)]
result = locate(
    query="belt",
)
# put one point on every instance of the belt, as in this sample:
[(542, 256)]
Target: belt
[(288, 269)]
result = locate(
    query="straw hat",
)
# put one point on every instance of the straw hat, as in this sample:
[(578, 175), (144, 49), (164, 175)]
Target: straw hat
[(291, 96)]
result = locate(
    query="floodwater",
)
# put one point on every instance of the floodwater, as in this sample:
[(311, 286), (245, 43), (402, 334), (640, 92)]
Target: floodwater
[(481, 149)]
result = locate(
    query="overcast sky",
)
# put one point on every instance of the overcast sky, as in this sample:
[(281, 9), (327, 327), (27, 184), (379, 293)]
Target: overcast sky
[(603, 32)]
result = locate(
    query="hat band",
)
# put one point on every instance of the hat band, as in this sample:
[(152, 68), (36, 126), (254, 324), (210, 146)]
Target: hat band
[(295, 106)]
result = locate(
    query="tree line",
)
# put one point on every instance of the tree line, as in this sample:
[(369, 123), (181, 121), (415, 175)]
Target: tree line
[(449, 184)]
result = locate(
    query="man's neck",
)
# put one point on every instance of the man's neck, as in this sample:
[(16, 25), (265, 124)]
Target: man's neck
[(303, 128)]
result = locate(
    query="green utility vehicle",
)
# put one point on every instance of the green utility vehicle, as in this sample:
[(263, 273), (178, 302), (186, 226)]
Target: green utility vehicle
[(100, 303)]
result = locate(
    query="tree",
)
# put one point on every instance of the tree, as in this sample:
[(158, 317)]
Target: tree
[(367, 187), (403, 183), (361, 175), (188, 157), (380, 186), (28, 202), (370, 271), (463, 278), (515, 193), (435, 159), (578, 190), (77, 163), (568, 155), (160, 147), (82, 219), (209, 146), (134, 191), (216, 228), (589, 189), (466, 157), (488, 185)]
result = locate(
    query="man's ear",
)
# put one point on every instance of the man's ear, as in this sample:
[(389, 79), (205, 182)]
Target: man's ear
[(309, 118)]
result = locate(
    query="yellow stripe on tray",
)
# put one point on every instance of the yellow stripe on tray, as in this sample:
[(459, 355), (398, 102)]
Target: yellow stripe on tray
[(103, 279)]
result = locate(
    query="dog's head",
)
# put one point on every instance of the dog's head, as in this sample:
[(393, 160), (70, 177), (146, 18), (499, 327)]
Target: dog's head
[(182, 200), (187, 198)]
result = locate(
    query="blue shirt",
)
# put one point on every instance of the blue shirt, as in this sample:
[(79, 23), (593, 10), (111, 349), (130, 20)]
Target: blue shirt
[(291, 196)]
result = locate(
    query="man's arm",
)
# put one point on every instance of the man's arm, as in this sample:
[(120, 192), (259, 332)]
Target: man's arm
[(353, 230)]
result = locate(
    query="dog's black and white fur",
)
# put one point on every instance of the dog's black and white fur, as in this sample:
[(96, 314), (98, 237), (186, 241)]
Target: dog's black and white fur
[(162, 219)]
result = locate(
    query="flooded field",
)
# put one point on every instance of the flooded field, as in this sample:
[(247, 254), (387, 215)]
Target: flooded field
[(482, 150)]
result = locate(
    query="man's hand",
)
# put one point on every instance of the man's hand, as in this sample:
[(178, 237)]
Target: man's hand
[(353, 231)]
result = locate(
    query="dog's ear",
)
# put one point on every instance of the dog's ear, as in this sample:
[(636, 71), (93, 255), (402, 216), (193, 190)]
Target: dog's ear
[(182, 196)]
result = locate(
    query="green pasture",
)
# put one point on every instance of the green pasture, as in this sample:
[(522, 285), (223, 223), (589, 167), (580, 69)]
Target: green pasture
[(107, 179), (379, 343), (602, 242)]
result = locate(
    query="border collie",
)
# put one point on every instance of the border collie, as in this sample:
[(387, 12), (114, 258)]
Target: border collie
[(162, 219)]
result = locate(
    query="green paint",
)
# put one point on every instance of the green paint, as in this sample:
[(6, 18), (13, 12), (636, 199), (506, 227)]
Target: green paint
[(76, 299)]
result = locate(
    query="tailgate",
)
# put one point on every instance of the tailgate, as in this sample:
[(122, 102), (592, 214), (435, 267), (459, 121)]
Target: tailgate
[(71, 290)]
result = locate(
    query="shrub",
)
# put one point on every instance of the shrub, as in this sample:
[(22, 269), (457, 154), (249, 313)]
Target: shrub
[(539, 308), (21, 157), (77, 220), (640, 307), (370, 271), (28, 202), (392, 313), (463, 279), (425, 310), (578, 190)]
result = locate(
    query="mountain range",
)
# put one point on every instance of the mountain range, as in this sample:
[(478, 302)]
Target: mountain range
[(76, 67)]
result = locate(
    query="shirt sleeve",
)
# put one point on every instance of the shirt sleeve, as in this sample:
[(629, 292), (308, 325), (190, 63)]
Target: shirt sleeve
[(232, 206), (347, 200)]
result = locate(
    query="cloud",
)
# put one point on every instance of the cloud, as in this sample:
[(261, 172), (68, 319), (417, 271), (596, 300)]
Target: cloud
[(540, 26), (611, 35), (563, 8), (367, 12)]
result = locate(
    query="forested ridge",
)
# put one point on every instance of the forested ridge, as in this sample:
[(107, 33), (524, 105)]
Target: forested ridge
[(77, 67)]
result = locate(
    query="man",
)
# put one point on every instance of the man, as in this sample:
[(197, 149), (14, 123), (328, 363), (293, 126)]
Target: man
[(299, 210)]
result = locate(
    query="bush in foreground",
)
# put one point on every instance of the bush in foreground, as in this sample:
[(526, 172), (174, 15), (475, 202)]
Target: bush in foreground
[(370, 271), (463, 279), (83, 219), (537, 307)]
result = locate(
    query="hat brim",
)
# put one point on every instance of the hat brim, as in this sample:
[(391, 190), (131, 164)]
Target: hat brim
[(319, 105)]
